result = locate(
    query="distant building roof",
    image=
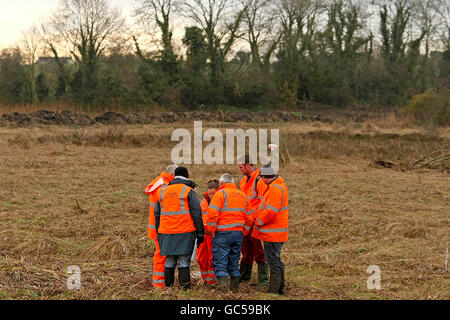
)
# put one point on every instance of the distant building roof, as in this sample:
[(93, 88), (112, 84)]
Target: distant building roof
[(46, 60)]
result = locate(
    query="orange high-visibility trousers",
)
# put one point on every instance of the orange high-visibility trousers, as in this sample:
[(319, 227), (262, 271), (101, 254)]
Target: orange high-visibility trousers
[(205, 259), (159, 263)]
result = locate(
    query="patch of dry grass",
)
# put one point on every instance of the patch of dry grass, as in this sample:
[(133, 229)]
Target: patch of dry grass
[(108, 248), (72, 197)]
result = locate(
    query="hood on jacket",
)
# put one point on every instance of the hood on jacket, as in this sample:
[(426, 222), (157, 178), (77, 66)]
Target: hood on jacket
[(164, 178), (187, 182)]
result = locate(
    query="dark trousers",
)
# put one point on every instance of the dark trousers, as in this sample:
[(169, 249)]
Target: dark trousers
[(226, 253), (272, 253)]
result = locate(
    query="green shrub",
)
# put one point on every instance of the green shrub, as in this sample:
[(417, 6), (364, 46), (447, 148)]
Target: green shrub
[(430, 108)]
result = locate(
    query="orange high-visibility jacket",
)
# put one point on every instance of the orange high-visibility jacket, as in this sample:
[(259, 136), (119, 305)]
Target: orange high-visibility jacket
[(227, 210), (151, 190), (272, 219), (175, 214), (204, 205), (254, 188)]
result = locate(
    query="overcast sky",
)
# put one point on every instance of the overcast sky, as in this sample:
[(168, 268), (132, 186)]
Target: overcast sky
[(17, 15)]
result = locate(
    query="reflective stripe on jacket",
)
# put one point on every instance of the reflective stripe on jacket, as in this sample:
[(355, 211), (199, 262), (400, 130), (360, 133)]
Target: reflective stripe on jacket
[(152, 190), (227, 210), (272, 219), (254, 188), (175, 214)]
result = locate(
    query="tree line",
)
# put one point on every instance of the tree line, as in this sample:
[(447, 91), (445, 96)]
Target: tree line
[(242, 53)]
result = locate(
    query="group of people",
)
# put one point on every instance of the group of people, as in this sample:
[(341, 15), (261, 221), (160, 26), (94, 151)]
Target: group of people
[(252, 219)]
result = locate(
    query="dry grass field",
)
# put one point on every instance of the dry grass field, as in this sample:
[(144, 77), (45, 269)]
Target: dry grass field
[(73, 196)]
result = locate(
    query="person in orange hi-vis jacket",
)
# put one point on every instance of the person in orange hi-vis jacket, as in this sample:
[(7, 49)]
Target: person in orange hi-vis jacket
[(204, 252), (252, 249), (225, 220), (272, 225), (151, 190), (179, 226)]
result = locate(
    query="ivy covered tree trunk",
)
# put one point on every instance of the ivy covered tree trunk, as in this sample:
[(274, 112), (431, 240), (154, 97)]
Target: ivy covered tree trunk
[(41, 88)]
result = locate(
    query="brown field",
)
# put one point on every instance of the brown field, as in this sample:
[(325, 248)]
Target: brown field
[(75, 197)]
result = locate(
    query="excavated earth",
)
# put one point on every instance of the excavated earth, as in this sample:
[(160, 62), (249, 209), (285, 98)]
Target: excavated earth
[(69, 118)]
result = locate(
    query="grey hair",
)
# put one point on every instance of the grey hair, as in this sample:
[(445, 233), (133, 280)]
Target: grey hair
[(226, 178), (171, 169)]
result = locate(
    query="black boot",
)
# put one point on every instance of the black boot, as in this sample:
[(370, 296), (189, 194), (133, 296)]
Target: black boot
[(169, 277), (262, 275), (275, 282), (222, 284), (246, 272), (184, 276), (234, 284), (281, 291)]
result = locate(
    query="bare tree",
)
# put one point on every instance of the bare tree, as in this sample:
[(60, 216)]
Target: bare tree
[(394, 19), (221, 21), (299, 22), (84, 28), (31, 44), (427, 19), (444, 22), (344, 22), (158, 12), (260, 19)]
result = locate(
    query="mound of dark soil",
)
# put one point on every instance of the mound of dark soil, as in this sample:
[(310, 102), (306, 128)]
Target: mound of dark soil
[(48, 118), (44, 117)]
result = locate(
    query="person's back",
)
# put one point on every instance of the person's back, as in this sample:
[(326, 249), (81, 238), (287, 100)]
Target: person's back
[(272, 220), (151, 190), (178, 218), (232, 206), (175, 214), (226, 218), (272, 225)]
